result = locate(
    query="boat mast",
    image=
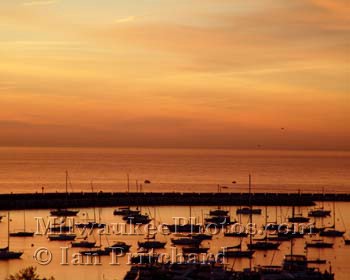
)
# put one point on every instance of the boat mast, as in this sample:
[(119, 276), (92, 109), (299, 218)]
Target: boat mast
[(323, 198), (66, 182), (190, 217), (66, 188), (92, 190), (333, 214), (276, 213), (128, 180), (24, 222), (265, 223), (8, 230), (219, 191), (137, 190), (250, 218)]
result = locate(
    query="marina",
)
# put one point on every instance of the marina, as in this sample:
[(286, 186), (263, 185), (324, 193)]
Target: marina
[(235, 250)]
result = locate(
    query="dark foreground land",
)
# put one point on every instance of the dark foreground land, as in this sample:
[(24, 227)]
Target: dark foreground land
[(105, 199)]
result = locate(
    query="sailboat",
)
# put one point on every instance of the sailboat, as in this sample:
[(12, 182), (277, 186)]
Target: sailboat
[(264, 244), (218, 211), (62, 212), (317, 261), (135, 217), (319, 212), (62, 236), (331, 231), (150, 242), (249, 210), (218, 218), (274, 225), (236, 232), (297, 217), (5, 253), (98, 251), (86, 243), (23, 233), (189, 227), (236, 251), (92, 224), (83, 244)]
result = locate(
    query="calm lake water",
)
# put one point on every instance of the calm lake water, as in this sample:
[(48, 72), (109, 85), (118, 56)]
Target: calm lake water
[(30, 169)]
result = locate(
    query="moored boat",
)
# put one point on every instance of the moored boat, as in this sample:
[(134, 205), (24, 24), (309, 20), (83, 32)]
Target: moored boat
[(318, 244), (6, 253), (83, 244), (120, 247), (125, 211), (62, 237), (186, 241), (248, 211)]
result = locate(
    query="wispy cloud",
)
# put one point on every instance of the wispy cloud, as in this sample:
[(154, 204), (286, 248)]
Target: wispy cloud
[(126, 19), (40, 2)]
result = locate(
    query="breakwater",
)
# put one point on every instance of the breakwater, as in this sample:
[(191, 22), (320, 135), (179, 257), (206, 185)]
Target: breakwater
[(105, 199)]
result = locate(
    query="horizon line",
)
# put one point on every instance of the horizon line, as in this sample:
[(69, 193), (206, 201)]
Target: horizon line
[(177, 148)]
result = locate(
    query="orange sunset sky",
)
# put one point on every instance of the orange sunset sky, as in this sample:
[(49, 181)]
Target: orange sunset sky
[(175, 73)]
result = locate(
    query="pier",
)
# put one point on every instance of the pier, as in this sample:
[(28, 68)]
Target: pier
[(108, 199)]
